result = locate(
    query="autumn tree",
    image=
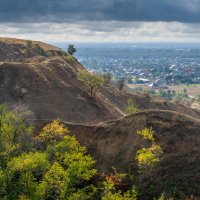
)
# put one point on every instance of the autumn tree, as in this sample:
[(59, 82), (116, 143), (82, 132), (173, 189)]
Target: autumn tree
[(60, 170), (148, 157), (73, 157), (24, 171), (132, 107), (72, 166), (54, 184), (15, 135), (93, 81), (111, 194), (52, 133), (147, 134)]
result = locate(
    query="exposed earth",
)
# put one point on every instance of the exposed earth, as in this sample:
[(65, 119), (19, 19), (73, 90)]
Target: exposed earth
[(46, 83)]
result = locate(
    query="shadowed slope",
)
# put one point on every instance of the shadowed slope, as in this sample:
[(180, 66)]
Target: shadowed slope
[(114, 144)]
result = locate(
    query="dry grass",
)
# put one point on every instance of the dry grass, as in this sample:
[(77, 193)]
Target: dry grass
[(115, 144), (192, 90), (45, 46)]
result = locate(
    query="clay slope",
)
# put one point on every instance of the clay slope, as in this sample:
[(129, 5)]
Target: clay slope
[(114, 144), (12, 49), (47, 84)]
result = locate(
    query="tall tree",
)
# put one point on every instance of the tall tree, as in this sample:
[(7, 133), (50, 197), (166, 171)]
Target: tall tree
[(29, 46), (121, 84), (71, 49), (93, 81), (15, 135)]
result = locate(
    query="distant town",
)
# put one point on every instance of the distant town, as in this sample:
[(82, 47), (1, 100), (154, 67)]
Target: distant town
[(155, 66)]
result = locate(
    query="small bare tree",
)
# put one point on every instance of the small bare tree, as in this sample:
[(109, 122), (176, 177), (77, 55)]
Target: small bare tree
[(29, 46), (93, 81), (121, 84), (107, 78)]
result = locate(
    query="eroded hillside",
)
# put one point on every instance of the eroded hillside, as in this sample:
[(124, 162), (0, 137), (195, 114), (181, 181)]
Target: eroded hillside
[(115, 144), (46, 83)]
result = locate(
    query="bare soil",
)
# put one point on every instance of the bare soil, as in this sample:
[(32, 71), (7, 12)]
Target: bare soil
[(47, 84), (114, 144)]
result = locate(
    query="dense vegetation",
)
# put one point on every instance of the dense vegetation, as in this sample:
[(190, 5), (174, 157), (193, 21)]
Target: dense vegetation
[(52, 164)]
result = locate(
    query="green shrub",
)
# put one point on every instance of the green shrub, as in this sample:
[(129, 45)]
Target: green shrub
[(132, 107)]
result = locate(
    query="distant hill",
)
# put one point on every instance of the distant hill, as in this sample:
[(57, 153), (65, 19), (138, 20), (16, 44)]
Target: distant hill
[(47, 84)]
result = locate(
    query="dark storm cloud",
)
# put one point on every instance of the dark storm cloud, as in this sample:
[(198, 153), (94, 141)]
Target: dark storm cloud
[(99, 10)]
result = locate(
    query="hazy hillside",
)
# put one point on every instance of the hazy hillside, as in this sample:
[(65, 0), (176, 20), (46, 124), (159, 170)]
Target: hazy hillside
[(46, 83)]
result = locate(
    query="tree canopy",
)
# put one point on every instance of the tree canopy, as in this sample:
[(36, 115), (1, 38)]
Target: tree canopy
[(71, 49), (93, 81)]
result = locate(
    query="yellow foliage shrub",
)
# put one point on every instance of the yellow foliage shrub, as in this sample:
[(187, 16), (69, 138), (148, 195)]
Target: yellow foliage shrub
[(52, 132)]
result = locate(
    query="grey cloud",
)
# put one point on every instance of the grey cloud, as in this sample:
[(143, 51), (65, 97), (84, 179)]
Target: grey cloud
[(99, 31), (63, 11)]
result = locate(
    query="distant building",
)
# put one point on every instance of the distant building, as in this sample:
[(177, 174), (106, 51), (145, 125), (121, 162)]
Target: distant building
[(142, 81), (158, 85), (154, 85)]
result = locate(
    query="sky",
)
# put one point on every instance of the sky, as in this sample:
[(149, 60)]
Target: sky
[(101, 20)]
